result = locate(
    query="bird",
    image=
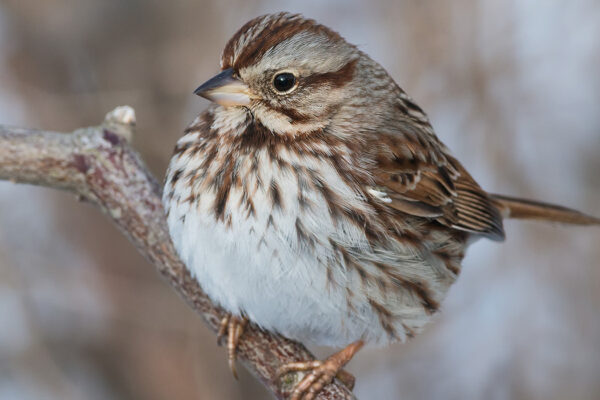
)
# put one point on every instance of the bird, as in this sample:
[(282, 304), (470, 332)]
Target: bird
[(313, 198)]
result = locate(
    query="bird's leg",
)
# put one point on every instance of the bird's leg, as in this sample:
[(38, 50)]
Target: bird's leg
[(233, 327), (322, 372)]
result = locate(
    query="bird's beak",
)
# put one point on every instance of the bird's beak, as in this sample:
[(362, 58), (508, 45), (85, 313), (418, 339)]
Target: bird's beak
[(225, 89)]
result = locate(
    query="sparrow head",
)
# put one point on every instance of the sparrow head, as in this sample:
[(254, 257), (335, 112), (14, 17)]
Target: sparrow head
[(291, 73)]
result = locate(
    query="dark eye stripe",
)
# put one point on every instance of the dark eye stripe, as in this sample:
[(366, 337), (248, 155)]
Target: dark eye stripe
[(334, 79)]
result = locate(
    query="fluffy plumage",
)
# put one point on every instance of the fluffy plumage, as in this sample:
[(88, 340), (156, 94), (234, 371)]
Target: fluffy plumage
[(330, 213)]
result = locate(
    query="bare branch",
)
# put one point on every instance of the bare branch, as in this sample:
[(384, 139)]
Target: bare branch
[(98, 164)]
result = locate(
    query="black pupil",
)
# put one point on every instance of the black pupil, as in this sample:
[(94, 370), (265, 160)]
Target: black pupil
[(284, 82)]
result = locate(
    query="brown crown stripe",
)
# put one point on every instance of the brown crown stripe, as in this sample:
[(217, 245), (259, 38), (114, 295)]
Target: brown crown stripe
[(228, 52), (280, 27), (274, 33)]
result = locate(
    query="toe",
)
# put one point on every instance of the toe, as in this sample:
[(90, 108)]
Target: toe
[(302, 388), (298, 366), (232, 343), (223, 328), (233, 328)]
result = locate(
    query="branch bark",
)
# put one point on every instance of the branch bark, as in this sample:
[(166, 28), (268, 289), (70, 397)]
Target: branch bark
[(98, 164)]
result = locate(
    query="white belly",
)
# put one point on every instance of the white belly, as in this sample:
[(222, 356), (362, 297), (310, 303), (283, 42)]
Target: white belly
[(258, 265), (279, 262)]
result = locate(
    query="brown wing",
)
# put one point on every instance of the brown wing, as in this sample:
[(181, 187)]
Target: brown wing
[(420, 178)]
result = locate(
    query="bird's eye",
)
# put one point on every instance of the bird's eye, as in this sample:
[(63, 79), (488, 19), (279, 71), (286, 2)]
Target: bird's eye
[(284, 81)]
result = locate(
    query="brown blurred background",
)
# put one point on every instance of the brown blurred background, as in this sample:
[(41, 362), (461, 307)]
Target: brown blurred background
[(512, 86)]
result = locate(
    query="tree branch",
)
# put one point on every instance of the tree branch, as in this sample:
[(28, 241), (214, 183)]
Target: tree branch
[(99, 165)]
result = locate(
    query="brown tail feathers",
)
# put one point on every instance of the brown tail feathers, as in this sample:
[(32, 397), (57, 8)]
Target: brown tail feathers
[(511, 207)]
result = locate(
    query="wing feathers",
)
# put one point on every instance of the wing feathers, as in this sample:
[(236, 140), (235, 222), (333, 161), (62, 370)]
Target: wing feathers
[(434, 185)]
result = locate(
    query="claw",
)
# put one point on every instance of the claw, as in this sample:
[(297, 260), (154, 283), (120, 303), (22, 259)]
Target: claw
[(321, 373), (234, 328), (346, 378), (297, 366)]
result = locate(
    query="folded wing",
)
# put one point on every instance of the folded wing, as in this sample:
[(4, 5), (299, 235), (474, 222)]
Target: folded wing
[(420, 178)]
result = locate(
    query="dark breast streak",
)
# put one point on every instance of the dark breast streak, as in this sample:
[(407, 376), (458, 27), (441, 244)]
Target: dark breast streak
[(380, 225)]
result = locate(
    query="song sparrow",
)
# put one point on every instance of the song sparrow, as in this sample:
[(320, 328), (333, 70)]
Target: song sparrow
[(315, 200)]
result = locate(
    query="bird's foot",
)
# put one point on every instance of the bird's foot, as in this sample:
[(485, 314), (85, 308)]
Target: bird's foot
[(232, 327), (321, 372)]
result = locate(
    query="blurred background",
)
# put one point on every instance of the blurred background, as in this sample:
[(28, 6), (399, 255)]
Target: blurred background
[(512, 86)]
